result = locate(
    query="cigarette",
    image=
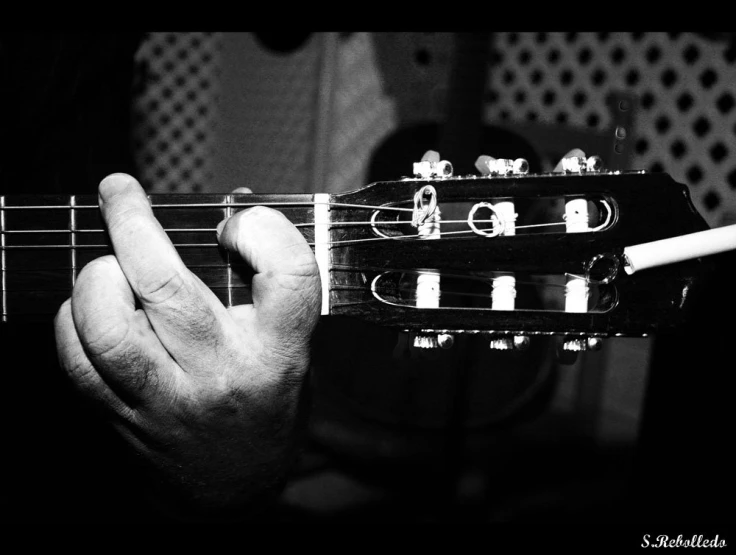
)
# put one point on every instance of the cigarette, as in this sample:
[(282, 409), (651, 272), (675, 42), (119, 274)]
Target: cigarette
[(676, 249)]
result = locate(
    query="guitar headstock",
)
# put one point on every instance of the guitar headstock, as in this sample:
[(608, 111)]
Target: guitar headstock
[(512, 255)]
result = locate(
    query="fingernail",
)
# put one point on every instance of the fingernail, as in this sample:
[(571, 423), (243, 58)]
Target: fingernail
[(113, 185), (220, 226)]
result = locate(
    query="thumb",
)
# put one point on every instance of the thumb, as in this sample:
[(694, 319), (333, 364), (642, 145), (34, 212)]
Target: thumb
[(286, 285)]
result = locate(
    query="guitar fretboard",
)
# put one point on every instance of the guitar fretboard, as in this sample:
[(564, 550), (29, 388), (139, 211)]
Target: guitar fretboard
[(46, 240)]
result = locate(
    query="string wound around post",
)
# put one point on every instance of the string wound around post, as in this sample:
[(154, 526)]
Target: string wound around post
[(424, 207)]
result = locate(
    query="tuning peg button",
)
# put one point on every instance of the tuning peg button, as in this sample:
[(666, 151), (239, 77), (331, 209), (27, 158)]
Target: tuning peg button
[(594, 164), (521, 342), (595, 343), (445, 340), (431, 341), (580, 164), (579, 344), (520, 166), (427, 169), (505, 343), (574, 164), (425, 341)]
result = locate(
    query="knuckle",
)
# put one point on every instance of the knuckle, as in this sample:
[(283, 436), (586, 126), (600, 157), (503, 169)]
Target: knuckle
[(155, 287), (107, 338), (303, 277)]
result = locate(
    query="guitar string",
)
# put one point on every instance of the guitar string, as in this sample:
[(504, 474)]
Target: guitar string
[(219, 206), (367, 289), (228, 205), (207, 230), (483, 279), (212, 229)]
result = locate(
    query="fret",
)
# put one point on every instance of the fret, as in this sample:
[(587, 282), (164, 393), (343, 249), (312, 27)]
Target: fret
[(228, 213), (73, 240), (38, 230), (2, 256), (321, 247)]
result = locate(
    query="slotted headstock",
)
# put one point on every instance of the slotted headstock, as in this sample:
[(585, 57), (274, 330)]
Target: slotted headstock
[(380, 263)]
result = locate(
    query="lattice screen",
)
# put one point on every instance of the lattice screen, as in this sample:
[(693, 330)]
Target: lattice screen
[(686, 120), (685, 123), (175, 113), (362, 114)]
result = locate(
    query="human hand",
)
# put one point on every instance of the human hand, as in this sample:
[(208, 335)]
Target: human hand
[(208, 397)]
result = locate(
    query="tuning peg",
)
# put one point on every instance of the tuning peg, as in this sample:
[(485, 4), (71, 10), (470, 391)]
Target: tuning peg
[(595, 343), (500, 166), (575, 344), (579, 344), (574, 164), (521, 342), (520, 166), (580, 164), (427, 169), (594, 164), (502, 344), (425, 341), (445, 340), (431, 341), (505, 343)]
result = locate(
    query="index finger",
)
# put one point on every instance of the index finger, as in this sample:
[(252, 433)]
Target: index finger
[(176, 302)]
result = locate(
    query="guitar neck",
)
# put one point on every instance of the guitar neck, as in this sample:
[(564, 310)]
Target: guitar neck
[(375, 260), (46, 241)]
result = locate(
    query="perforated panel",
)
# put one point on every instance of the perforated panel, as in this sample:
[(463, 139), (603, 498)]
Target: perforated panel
[(361, 114), (174, 112), (686, 119), (685, 122)]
